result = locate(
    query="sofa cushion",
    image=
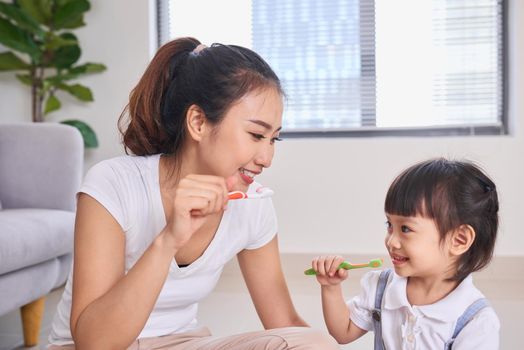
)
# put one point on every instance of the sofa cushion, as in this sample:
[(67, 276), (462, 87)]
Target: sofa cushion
[(31, 236)]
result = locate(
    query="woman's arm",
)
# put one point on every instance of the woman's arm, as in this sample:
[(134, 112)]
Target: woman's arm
[(110, 308), (266, 284)]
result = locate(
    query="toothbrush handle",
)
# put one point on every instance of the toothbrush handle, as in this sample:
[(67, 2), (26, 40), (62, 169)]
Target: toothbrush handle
[(345, 265), (348, 266), (236, 195)]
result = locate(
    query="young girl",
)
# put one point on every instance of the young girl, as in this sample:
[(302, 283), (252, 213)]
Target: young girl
[(442, 219), (152, 234)]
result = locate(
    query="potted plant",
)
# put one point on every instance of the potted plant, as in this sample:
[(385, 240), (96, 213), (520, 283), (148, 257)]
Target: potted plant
[(44, 53)]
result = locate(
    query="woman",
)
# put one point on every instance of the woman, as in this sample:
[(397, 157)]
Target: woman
[(152, 230)]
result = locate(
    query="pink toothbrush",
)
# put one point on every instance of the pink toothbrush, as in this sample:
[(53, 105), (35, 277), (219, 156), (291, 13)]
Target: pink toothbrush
[(261, 192)]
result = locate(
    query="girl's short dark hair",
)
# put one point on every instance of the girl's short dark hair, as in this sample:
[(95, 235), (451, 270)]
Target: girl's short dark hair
[(452, 193), (213, 78)]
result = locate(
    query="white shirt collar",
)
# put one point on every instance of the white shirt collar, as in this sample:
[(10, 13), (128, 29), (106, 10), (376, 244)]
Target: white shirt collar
[(444, 310)]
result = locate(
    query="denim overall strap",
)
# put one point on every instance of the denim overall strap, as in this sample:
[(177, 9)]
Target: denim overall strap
[(463, 320), (377, 319)]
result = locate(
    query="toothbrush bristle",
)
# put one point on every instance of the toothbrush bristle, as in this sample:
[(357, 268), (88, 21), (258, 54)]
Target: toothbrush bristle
[(264, 192), (376, 263)]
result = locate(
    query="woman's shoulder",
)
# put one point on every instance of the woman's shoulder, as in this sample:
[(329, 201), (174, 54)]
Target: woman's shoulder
[(123, 166), (121, 184), (127, 163), (121, 175)]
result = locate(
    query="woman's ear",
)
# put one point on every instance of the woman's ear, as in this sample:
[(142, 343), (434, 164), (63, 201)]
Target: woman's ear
[(196, 122), (461, 239)]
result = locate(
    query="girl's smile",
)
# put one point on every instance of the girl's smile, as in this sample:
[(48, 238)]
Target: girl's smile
[(398, 260)]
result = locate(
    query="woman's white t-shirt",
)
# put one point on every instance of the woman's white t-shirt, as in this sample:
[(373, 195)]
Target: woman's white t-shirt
[(128, 187)]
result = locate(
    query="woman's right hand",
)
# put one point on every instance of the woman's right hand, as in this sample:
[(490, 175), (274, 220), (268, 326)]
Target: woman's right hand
[(195, 199), (328, 273)]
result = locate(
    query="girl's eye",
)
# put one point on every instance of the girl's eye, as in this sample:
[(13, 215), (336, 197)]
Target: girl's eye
[(405, 229), (389, 227), (274, 139)]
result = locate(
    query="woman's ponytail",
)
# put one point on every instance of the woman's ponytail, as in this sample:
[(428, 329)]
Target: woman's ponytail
[(141, 121)]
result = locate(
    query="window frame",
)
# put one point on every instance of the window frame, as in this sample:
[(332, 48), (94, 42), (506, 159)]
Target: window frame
[(162, 27)]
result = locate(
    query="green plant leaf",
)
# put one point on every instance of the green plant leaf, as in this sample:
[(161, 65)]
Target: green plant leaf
[(25, 79), (46, 86), (54, 42), (88, 134), (69, 36), (75, 72), (87, 68), (61, 3), (23, 20), (52, 104), (66, 56), (17, 39), (28, 26), (75, 24), (10, 61), (39, 10), (70, 13), (81, 92), (57, 79)]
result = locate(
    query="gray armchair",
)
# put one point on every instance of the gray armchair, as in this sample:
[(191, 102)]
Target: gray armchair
[(40, 172)]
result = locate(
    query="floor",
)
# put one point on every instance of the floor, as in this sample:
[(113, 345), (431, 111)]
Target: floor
[(503, 284)]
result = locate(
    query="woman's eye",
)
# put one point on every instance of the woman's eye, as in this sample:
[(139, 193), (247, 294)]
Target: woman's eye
[(405, 229), (274, 139), (257, 136)]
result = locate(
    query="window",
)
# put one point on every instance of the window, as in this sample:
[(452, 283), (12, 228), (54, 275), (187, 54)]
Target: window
[(367, 67)]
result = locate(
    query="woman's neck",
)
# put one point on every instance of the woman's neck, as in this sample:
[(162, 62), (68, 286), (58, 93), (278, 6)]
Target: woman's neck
[(173, 168)]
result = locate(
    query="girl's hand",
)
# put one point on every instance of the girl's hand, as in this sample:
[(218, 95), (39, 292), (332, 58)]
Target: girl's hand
[(327, 270), (196, 199)]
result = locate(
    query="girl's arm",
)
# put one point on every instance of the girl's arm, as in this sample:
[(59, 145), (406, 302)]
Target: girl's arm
[(266, 284), (336, 315), (110, 308), (336, 312)]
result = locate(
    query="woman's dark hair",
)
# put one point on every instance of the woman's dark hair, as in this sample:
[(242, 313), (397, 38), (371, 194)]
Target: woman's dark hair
[(213, 78), (452, 193)]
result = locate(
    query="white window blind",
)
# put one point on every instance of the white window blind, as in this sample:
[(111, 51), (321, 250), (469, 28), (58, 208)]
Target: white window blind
[(367, 65), (324, 53)]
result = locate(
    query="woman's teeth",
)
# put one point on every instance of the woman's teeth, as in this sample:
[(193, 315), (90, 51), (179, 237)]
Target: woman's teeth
[(247, 172)]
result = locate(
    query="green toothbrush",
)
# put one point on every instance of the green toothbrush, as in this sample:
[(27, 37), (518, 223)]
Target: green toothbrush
[(348, 266)]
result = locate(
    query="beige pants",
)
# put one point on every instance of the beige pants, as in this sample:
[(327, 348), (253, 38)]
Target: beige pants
[(296, 338)]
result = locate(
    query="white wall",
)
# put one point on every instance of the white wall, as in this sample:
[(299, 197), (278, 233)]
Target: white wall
[(329, 192), (118, 35)]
